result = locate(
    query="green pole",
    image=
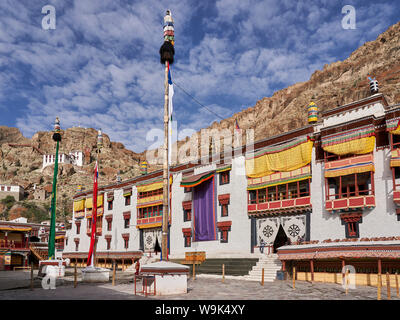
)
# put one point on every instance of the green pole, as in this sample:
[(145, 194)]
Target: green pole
[(52, 234)]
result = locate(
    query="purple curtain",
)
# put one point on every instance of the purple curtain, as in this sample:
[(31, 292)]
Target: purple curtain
[(204, 223)]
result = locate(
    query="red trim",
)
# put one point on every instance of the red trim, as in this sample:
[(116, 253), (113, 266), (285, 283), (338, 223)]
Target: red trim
[(187, 205), (108, 217), (224, 198), (125, 235), (187, 231), (127, 215), (224, 225)]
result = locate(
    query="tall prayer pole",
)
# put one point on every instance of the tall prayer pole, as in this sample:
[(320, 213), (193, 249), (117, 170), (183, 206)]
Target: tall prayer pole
[(52, 234), (99, 146), (167, 52)]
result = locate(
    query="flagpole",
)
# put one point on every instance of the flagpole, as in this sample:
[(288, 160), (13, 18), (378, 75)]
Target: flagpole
[(167, 52), (99, 146), (164, 245), (52, 233)]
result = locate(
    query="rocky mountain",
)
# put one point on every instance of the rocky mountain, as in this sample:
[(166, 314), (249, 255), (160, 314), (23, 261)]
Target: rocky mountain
[(21, 161)]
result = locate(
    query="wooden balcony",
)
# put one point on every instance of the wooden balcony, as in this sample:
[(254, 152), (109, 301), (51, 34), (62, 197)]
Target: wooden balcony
[(358, 202), (13, 244), (280, 206)]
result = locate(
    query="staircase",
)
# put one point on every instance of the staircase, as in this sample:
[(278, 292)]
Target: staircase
[(271, 264), (38, 252)]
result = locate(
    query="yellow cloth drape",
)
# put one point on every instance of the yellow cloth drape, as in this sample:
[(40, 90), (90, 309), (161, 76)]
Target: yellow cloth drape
[(152, 186), (283, 161), (395, 131), (79, 205), (357, 146), (89, 202)]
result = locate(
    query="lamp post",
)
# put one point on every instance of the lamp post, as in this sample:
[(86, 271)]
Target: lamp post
[(52, 233)]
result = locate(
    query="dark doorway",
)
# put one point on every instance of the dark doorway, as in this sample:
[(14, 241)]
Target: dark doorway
[(281, 239)]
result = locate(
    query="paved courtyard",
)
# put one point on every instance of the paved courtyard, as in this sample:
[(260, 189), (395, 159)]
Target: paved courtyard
[(202, 288)]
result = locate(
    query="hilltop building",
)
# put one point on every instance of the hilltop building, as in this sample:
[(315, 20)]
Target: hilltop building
[(12, 190), (75, 158), (318, 198)]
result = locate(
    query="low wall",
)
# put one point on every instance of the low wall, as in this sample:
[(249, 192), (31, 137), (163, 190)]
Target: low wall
[(362, 279)]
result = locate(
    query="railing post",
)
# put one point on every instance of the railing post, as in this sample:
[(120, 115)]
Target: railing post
[(388, 285), (379, 286), (113, 278), (31, 276), (294, 277), (223, 272), (75, 275), (262, 276)]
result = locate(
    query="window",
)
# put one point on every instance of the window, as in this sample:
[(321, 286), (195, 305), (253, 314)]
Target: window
[(78, 228), (351, 222), (89, 224), (224, 177), (126, 241), (353, 185), (280, 192), (187, 190), (187, 215), (109, 225), (187, 236), (224, 228), (126, 223), (108, 239), (224, 210), (77, 245), (127, 200), (110, 205)]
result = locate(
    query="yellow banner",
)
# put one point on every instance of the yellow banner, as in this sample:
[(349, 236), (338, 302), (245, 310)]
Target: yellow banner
[(358, 146), (283, 161), (79, 205), (89, 202)]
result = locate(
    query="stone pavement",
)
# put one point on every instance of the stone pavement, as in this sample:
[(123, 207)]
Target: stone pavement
[(202, 288)]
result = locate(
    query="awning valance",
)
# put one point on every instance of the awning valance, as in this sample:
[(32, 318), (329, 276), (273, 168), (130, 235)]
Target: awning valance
[(224, 168), (12, 228), (89, 202), (356, 141), (393, 125), (110, 196), (283, 158), (348, 166), (279, 178), (127, 192), (195, 180), (151, 185), (395, 159), (79, 205)]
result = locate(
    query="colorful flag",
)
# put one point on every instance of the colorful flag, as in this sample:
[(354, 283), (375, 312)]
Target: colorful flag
[(90, 261), (237, 125)]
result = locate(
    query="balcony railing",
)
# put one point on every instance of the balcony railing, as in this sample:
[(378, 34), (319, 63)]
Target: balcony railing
[(361, 202), (280, 204), (14, 244)]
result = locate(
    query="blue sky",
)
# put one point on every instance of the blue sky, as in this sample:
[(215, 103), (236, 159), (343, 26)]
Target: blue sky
[(100, 67)]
